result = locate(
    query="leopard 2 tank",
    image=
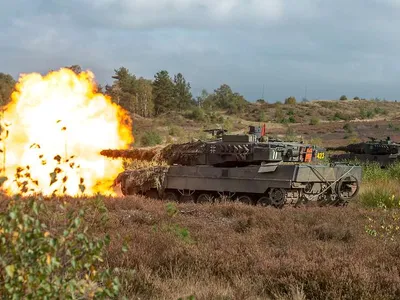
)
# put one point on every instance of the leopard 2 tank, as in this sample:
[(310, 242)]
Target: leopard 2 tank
[(246, 169), (384, 152)]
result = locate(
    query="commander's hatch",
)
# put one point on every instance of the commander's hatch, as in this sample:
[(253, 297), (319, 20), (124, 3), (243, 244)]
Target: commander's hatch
[(216, 131), (268, 167)]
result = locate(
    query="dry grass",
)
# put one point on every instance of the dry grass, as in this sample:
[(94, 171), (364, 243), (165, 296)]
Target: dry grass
[(234, 251)]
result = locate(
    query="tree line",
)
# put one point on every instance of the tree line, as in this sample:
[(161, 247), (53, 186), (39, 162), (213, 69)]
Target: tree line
[(151, 98)]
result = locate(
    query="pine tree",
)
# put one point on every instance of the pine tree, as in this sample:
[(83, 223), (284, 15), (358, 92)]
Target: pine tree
[(183, 95), (163, 93), (145, 97), (123, 89)]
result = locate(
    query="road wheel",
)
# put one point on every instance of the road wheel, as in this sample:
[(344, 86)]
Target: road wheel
[(171, 196), (347, 190), (264, 201), (186, 198), (278, 197), (205, 198), (245, 199)]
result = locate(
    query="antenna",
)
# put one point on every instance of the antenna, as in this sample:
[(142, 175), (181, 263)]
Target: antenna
[(262, 97)]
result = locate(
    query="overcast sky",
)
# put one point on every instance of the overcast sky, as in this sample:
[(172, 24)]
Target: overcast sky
[(333, 47)]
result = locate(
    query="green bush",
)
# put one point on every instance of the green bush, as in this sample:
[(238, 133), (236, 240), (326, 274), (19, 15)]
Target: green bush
[(370, 114), (37, 262), (339, 116), (150, 138), (314, 121), (197, 114), (373, 172), (343, 97), (290, 112), (366, 114)]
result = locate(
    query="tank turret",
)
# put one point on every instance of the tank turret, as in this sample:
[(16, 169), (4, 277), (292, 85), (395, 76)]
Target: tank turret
[(382, 151), (229, 150)]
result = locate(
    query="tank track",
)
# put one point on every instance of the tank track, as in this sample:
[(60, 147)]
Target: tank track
[(338, 195)]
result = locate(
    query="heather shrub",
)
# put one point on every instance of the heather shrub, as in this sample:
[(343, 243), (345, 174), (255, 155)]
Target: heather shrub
[(386, 226)]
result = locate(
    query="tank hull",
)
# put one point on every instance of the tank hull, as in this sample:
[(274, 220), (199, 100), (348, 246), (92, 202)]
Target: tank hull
[(266, 184)]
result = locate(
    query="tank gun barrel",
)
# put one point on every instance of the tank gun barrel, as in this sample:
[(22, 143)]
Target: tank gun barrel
[(353, 148), (139, 154), (339, 148), (171, 154)]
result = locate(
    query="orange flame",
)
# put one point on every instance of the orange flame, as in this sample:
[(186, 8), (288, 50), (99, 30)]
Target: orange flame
[(53, 131)]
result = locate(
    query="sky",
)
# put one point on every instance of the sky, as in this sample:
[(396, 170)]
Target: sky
[(271, 49)]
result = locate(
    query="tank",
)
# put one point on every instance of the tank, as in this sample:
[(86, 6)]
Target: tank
[(383, 152), (249, 168)]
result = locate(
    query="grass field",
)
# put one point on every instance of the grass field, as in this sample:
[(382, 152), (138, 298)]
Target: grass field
[(233, 251), (236, 251)]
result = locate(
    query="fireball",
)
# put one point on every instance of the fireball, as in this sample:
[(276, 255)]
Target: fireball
[(53, 131)]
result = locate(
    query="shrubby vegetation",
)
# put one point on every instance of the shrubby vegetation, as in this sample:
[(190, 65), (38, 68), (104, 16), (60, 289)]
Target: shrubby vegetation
[(181, 250), (38, 261), (314, 121), (150, 138), (380, 186)]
